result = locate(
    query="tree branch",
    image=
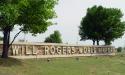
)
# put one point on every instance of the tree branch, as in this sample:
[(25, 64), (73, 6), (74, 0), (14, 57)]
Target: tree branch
[(15, 37)]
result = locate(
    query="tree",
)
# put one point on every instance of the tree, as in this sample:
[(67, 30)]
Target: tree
[(102, 24), (54, 38), (114, 27), (31, 15)]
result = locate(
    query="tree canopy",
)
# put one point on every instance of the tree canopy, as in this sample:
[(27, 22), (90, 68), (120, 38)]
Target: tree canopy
[(54, 38), (102, 23), (31, 15)]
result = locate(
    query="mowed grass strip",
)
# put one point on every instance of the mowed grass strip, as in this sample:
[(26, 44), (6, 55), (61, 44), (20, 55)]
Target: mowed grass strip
[(97, 65)]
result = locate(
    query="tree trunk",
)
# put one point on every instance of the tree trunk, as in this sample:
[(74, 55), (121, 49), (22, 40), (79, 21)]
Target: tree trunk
[(6, 39), (97, 42), (93, 42)]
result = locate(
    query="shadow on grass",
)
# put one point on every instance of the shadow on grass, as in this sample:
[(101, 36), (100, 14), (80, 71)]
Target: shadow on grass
[(10, 62)]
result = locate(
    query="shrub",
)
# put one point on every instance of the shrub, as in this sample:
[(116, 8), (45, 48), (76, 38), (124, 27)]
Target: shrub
[(119, 49)]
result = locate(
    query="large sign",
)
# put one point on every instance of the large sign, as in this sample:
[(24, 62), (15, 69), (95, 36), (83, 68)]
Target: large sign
[(24, 49)]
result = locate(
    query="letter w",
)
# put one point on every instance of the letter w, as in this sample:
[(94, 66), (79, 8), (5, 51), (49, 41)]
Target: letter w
[(15, 50)]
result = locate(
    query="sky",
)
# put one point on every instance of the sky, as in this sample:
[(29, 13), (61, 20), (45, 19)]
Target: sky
[(70, 13)]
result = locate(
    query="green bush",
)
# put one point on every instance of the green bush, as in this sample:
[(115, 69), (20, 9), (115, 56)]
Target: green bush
[(119, 49)]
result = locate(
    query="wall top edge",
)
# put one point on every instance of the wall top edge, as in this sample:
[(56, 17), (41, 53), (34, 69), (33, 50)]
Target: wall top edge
[(58, 44)]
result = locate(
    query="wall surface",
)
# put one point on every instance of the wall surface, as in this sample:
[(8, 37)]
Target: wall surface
[(57, 50)]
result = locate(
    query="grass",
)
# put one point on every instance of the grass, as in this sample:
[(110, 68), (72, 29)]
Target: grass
[(101, 65)]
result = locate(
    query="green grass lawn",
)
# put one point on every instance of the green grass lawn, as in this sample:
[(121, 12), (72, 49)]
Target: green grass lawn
[(103, 65)]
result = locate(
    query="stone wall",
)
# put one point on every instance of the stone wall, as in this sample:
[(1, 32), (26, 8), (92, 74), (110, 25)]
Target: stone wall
[(43, 49)]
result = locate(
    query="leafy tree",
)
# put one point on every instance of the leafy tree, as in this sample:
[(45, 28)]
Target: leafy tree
[(54, 38), (113, 26), (31, 15), (102, 24)]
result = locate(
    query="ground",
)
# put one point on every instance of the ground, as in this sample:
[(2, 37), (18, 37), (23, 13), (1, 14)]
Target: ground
[(97, 65)]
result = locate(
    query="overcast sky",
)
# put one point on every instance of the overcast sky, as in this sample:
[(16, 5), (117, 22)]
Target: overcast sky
[(70, 13)]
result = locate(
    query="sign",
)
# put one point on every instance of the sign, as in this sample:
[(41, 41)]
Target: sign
[(24, 49)]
